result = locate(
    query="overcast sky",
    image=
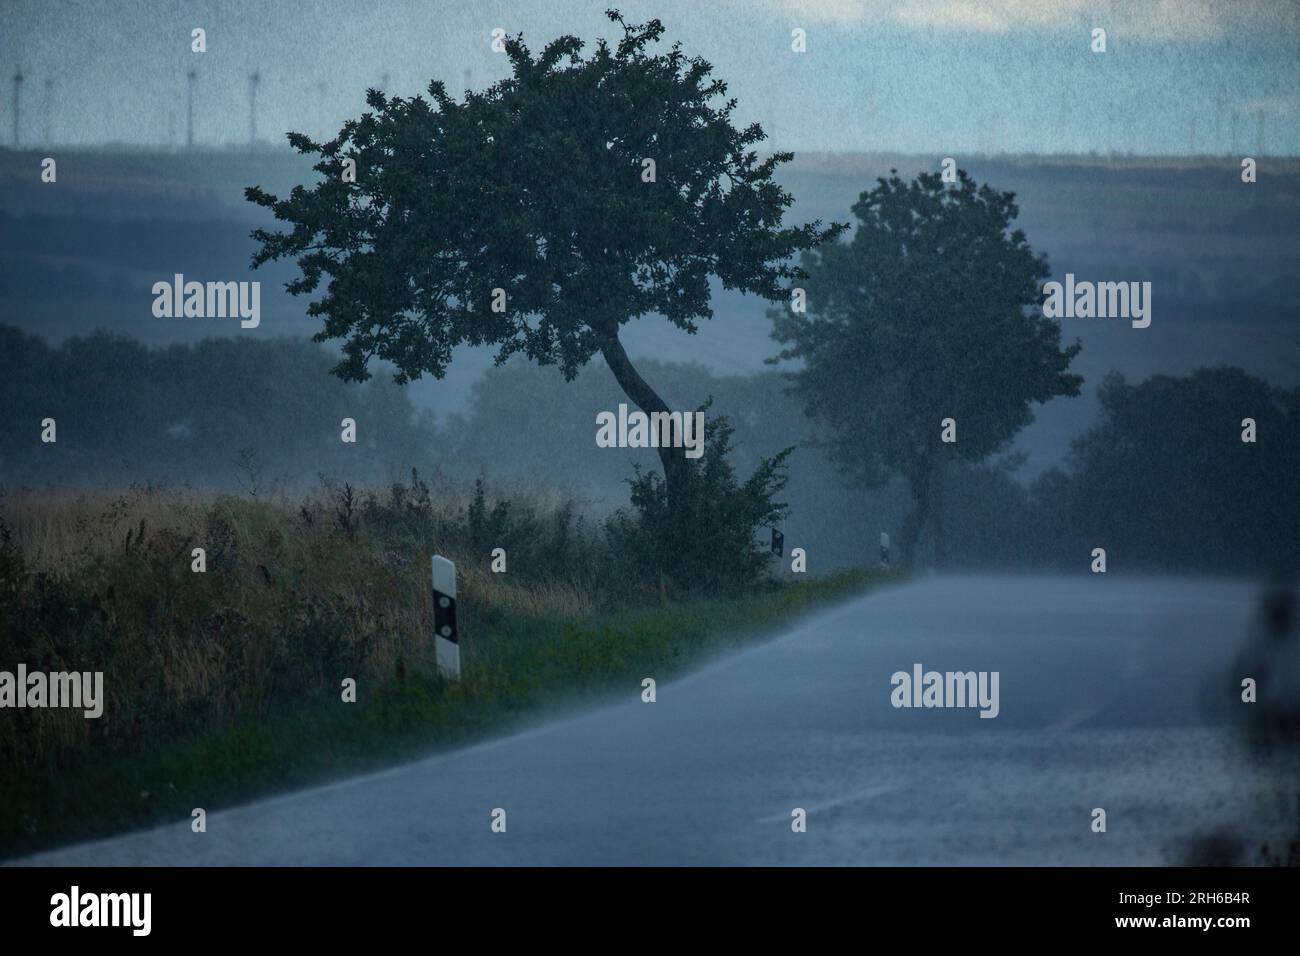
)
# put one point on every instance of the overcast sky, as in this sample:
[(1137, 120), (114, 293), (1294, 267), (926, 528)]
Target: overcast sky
[(929, 76)]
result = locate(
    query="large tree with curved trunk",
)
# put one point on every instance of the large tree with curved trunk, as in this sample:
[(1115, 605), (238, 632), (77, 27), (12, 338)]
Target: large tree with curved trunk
[(538, 186)]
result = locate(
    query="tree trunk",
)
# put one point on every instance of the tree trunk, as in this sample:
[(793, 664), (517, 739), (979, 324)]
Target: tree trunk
[(927, 491), (914, 523), (937, 505), (676, 467)]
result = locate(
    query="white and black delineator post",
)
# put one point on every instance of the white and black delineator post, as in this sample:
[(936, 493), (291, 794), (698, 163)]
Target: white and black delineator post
[(446, 635), (884, 549)]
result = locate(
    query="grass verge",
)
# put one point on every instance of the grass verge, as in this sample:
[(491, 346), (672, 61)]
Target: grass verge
[(520, 666)]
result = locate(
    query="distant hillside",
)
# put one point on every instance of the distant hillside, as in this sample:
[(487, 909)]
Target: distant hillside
[(1223, 256)]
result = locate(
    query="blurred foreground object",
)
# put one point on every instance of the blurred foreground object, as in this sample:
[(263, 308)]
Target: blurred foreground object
[(1271, 656)]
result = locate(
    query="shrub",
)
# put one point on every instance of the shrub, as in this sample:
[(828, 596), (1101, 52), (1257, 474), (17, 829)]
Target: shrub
[(706, 542)]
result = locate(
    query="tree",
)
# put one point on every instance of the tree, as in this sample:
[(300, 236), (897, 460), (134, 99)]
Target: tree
[(590, 191), (919, 318), (1166, 481)]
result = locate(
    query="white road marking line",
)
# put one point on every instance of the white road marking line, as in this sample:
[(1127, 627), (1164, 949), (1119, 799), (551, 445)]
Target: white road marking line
[(1072, 720), (868, 794)]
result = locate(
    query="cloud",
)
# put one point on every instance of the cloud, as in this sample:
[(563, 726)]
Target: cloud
[(1177, 20), (835, 11), (989, 16)]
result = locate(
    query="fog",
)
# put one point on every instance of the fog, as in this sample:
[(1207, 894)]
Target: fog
[(1096, 506)]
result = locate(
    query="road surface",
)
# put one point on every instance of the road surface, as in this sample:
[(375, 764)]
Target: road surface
[(1105, 692)]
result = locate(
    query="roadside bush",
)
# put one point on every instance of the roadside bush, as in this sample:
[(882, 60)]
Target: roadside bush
[(705, 543)]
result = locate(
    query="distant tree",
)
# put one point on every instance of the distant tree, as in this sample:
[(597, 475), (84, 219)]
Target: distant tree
[(590, 190), (921, 317), (183, 413), (1166, 481)]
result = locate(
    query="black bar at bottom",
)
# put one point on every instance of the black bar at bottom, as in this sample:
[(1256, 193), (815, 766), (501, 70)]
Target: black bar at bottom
[(333, 906)]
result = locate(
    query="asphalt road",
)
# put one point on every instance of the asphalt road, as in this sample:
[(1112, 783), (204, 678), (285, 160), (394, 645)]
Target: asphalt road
[(1114, 693)]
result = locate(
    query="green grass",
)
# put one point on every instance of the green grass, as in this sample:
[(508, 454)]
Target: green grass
[(521, 667)]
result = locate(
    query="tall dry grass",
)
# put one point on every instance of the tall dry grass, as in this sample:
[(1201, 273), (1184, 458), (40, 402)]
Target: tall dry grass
[(297, 595)]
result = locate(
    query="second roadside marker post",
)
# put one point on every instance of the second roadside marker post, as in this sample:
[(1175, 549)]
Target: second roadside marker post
[(446, 634), (778, 548)]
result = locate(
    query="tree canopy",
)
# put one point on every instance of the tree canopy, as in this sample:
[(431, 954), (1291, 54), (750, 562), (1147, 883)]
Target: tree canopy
[(920, 317), (537, 186), (1166, 480)]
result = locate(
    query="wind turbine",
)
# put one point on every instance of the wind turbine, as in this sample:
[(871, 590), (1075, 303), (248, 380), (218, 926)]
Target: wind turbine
[(1064, 117), (18, 82), (1218, 126), (253, 80), (192, 75), (49, 107), (322, 109)]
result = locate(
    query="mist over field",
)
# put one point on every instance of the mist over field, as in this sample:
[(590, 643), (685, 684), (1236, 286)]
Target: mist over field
[(903, 435), (80, 260)]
